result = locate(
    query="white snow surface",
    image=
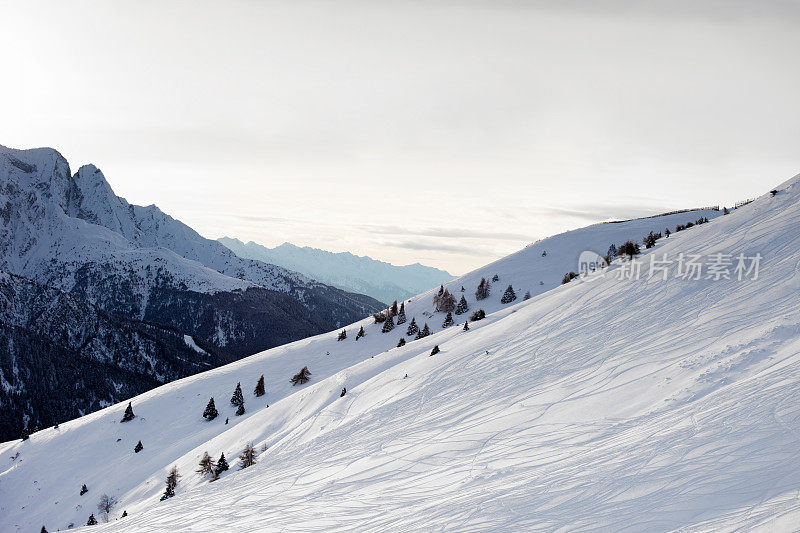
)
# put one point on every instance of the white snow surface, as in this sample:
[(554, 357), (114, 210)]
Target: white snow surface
[(643, 405)]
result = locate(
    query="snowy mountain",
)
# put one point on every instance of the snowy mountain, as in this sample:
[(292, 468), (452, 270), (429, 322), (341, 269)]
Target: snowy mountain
[(383, 281), (614, 401), (72, 234)]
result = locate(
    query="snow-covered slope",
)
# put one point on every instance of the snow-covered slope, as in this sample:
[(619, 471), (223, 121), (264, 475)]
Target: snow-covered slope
[(383, 281), (644, 404)]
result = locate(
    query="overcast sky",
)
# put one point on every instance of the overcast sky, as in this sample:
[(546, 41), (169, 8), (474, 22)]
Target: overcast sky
[(449, 133)]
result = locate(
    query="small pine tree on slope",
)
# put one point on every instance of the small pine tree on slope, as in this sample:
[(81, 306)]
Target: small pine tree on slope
[(92, 520), (401, 315), (424, 332), (360, 333), (462, 306), (128, 416), (222, 466), (483, 291), (413, 329), (388, 325), (206, 465), (211, 411), (248, 457), (172, 482), (508, 296), (138, 447), (301, 377), (237, 398), (259, 390), (448, 321)]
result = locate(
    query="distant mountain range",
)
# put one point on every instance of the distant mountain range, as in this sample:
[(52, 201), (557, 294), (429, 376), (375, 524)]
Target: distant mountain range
[(70, 238), (383, 281)]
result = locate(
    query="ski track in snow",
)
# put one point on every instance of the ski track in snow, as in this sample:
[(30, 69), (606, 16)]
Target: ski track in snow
[(606, 405)]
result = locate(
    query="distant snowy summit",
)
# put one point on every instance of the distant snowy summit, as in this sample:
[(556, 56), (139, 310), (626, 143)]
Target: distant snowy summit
[(383, 281)]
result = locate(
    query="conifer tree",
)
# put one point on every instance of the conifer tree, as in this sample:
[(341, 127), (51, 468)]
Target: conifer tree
[(401, 342), (527, 295), (237, 398), (401, 315), (342, 335), (222, 466), (211, 410), (124, 514), (393, 310), (240, 410), (508, 296), (248, 456), (466, 325), (259, 390), (448, 321), (424, 332), (138, 447), (629, 248), (462, 306), (44, 530), (388, 325), (435, 350), (496, 278), (301, 377), (379, 317), (667, 233), (483, 291), (725, 211), (413, 329), (92, 520), (206, 465), (344, 391), (360, 333), (172, 482), (128, 416), (84, 490)]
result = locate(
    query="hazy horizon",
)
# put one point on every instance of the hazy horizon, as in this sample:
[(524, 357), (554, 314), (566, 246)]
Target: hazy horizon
[(445, 133)]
